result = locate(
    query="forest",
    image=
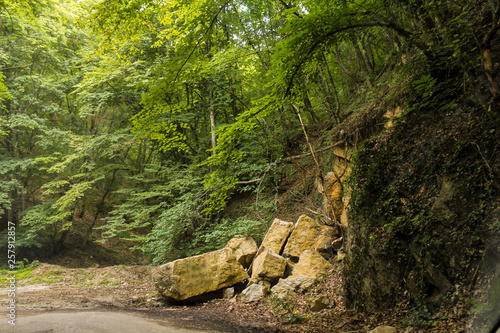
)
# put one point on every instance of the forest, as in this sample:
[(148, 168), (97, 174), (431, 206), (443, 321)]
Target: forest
[(157, 130)]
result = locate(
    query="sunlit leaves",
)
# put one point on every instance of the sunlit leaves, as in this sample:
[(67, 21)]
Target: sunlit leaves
[(65, 204), (4, 91)]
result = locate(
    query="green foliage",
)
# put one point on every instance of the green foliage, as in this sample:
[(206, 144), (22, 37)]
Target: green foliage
[(140, 120), (421, 318), (24, 270), (287, 309), (178, 226), (52, 276), (36, 227), (170, 237), (148, 196), (214, 237)]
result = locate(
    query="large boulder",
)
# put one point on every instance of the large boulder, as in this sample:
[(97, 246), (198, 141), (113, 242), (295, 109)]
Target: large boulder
[(186, 278), (269, 267), (311, 264), (324, 243), (253, 293), (275, 239), (291, 284), (244, 248), (384, 329), (308, 235), (277, 235)]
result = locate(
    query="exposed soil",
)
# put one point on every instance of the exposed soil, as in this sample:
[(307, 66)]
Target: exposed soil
[(128, 289), (122, 288), (95, 322)]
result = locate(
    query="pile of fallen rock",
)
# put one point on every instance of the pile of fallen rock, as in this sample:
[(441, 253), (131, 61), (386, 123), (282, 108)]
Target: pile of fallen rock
[(291, 257)]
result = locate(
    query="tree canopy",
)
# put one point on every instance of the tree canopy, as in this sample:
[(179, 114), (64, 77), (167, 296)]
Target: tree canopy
[(141, 119)]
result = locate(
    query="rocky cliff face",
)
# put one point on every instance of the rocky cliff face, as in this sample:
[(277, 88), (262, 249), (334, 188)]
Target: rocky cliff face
[(424, 206)]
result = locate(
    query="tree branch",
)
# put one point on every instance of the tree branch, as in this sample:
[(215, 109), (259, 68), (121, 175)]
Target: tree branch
[(289, 159), (15, 67), (400, 31), (494, 28), (199, 41)]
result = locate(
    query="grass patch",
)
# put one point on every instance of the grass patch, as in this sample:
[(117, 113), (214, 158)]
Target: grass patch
[(104, 282), (51, 277), (82, 284), (20, 274), (23, 270)]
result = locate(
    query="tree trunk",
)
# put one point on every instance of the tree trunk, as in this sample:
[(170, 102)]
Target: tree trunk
[(342, 65), (308, 106), (336, 113), (367, 50), (212, 122), (361, 60), (60, 242), (333, 106), (321, 101)]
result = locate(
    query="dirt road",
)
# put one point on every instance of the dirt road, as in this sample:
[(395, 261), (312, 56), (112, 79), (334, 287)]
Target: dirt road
[(91, 322), (122, 299), (112, 299)]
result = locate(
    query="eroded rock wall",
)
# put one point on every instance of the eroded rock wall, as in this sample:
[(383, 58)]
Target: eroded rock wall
[(419, 212)]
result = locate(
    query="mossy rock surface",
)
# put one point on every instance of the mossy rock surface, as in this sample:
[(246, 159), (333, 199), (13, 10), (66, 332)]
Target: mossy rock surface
[(421, 195)]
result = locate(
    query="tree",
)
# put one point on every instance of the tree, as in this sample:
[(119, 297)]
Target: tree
[(214, 89), (38, 50)]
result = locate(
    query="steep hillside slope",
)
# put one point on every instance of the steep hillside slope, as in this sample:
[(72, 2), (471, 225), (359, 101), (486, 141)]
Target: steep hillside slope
[(424, 210)]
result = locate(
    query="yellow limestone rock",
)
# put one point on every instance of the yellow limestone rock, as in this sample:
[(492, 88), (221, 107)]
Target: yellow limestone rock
[(339, 194), (185, 278), (275, 239), (320, 302), (333, 195), (253, 293), (277, 235), (391, 116), (268, 266), (311, 264), (324, 241), (303, 237), (384, 329), (343, 217), (341, 152), (308, 235), (244, 248), (291, 284)]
